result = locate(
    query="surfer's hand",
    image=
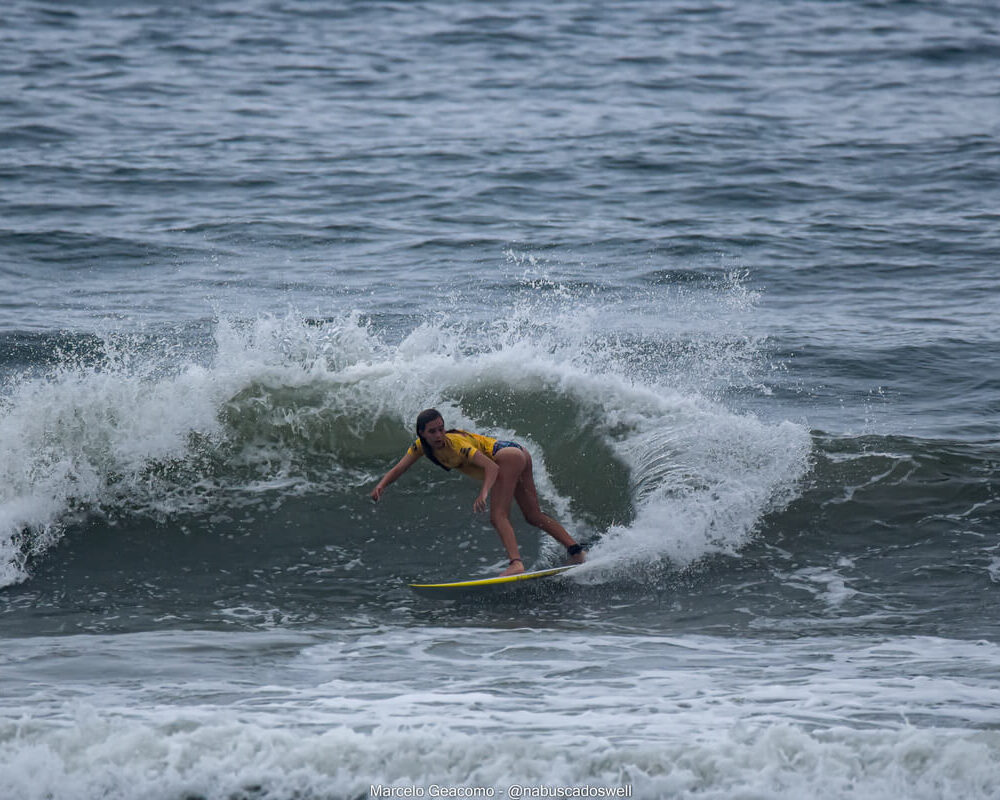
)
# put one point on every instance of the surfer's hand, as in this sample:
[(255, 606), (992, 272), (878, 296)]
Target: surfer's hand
[(376, 493), (480, 503)]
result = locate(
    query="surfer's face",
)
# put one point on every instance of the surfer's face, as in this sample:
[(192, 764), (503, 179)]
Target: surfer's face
[(433, 432)]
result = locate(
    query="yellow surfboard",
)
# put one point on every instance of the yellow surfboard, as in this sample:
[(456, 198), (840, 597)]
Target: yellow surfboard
[(507, 581)]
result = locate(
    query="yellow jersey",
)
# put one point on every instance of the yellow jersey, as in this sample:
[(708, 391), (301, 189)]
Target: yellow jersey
[(458, 452)]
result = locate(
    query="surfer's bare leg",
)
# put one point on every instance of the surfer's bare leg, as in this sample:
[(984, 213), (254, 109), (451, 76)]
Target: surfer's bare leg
[(511, 461), (527, 499)]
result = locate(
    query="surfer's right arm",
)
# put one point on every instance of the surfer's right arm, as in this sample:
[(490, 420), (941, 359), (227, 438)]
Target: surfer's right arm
[(402, 465)]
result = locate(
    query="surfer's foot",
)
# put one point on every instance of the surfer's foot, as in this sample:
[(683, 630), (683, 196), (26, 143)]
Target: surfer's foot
[(516, 568), (576, 554)]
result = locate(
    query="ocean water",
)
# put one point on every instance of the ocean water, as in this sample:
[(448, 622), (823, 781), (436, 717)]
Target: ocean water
[(728, 269)]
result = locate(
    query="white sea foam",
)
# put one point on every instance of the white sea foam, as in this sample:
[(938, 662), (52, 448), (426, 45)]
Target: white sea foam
[(118, 759), (279, 715)]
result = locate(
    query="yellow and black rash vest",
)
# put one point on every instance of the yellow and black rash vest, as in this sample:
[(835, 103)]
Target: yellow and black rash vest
[(461, 445)]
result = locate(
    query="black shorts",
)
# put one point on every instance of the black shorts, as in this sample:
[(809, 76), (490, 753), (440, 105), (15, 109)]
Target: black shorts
[(500, 445)]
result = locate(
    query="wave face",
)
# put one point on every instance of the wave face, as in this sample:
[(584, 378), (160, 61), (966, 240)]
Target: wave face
[(176, 447), (642, 462)]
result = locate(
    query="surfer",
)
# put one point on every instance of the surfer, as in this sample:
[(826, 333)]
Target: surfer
[(505, 471)]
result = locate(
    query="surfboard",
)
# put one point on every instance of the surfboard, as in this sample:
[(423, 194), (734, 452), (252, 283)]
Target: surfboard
[(505, 582)]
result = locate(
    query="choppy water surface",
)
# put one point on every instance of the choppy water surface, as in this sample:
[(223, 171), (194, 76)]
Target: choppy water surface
[(728, 270)]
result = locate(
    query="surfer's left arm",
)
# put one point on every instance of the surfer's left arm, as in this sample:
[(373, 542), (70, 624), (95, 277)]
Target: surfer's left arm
[(393, 474), (490, 472)]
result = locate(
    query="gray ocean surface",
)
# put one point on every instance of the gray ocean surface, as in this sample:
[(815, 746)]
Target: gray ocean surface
[(728, 269)]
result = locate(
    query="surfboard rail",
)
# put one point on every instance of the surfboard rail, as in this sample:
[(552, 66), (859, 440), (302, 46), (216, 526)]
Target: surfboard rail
[(482, 583)]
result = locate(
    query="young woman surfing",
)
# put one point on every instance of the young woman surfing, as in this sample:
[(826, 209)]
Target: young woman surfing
[(503, 467)]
